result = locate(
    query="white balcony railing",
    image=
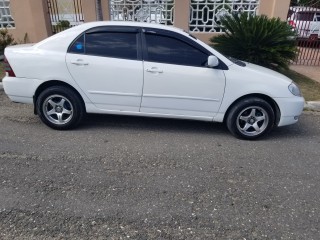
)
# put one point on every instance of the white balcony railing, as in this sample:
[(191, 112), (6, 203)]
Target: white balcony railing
[(152, 11), (205, 15)]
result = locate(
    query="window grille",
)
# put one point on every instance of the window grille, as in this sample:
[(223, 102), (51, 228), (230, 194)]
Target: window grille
[(6, 20), (152, 11), (66, 10), (65, 14), (205, 15)]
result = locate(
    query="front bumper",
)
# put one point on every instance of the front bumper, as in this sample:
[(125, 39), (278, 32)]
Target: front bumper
[(290, 109)]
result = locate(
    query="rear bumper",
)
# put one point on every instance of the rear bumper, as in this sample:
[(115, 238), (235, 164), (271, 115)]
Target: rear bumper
[(290, 109), (20, 89)]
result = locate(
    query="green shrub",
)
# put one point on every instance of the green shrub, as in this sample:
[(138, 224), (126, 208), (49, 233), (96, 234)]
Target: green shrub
[(257, 39), (6, 39), (60, 26), (64, 24)]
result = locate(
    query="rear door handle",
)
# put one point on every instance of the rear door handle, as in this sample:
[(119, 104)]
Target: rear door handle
[(154, 70), (79, 62)]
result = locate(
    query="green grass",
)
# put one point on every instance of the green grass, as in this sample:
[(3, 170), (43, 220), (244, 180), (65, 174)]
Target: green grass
[(310, 88)]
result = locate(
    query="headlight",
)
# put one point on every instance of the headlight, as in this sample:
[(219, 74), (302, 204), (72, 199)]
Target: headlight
[(294, 89)]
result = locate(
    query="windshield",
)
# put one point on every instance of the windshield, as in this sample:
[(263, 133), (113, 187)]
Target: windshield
[(237, 61)]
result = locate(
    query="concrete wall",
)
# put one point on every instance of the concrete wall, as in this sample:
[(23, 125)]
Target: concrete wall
[(274, 8), (32, 17), (31, 20)]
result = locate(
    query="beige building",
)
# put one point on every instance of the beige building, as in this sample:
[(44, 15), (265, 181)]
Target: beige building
[(34, 20)]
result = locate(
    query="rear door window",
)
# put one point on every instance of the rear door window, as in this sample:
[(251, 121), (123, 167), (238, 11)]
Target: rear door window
[(112, 44), (108, 42)]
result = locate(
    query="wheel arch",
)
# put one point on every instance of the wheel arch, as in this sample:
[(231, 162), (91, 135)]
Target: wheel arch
[(52, 83), (268, 99)]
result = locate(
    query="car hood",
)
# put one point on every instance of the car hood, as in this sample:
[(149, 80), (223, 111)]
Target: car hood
[(266, 72)]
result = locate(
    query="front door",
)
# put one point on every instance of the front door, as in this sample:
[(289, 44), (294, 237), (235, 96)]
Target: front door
[(176, 79)]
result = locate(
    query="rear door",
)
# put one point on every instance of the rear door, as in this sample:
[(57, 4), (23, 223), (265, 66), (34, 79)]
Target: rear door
[(106, 63)]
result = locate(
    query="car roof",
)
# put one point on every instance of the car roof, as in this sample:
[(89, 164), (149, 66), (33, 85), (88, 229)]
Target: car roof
[(62, 40), (128, 24)]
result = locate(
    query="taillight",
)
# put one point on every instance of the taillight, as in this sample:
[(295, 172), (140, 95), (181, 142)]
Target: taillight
[(8, 68), (292, 24)]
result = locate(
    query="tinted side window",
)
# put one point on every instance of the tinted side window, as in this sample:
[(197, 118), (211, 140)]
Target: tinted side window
[(112, 44), (77, 46), (171, 50)]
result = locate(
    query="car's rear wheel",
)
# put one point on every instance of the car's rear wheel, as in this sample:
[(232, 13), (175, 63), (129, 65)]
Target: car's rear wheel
[(250, 118), (60, 108)]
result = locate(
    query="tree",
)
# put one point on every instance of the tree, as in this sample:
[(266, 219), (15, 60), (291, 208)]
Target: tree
[(99, 10), (257, 39)]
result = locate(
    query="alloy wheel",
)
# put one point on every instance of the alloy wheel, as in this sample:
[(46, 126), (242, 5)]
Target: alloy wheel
[(252, 121), (57, 109)]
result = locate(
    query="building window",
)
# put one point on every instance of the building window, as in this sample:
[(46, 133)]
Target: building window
[(205, 15), (65, 14), (6, 20), (152, 11)]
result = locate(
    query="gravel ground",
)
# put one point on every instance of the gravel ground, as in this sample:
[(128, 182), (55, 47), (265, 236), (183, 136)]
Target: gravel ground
[(143, 178)]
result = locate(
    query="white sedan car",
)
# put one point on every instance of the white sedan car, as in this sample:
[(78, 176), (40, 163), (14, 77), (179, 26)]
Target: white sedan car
[(146, 70)]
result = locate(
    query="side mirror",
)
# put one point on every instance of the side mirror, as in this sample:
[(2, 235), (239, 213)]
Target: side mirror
[(213, 61)]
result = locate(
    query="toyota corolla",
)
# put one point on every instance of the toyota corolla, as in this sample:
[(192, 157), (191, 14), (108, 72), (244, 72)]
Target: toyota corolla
[(146, 70)]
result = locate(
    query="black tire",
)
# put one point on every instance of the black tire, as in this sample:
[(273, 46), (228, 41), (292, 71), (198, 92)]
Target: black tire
[(60, 108), (250, 118)]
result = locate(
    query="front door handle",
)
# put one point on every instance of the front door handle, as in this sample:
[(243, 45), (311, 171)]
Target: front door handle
[(154, 70)]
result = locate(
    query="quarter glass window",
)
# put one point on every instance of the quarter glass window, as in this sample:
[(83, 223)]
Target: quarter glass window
[(77, 46)]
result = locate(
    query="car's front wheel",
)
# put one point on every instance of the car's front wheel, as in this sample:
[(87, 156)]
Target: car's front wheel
[(60, 108), (250, 118)]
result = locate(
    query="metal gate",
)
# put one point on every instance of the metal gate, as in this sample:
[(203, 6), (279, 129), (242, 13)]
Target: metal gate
[(306, 22), (65, 14)]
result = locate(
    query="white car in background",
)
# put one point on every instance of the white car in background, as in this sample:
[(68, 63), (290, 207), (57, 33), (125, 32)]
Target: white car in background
[(148, 70), (306, 21)]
